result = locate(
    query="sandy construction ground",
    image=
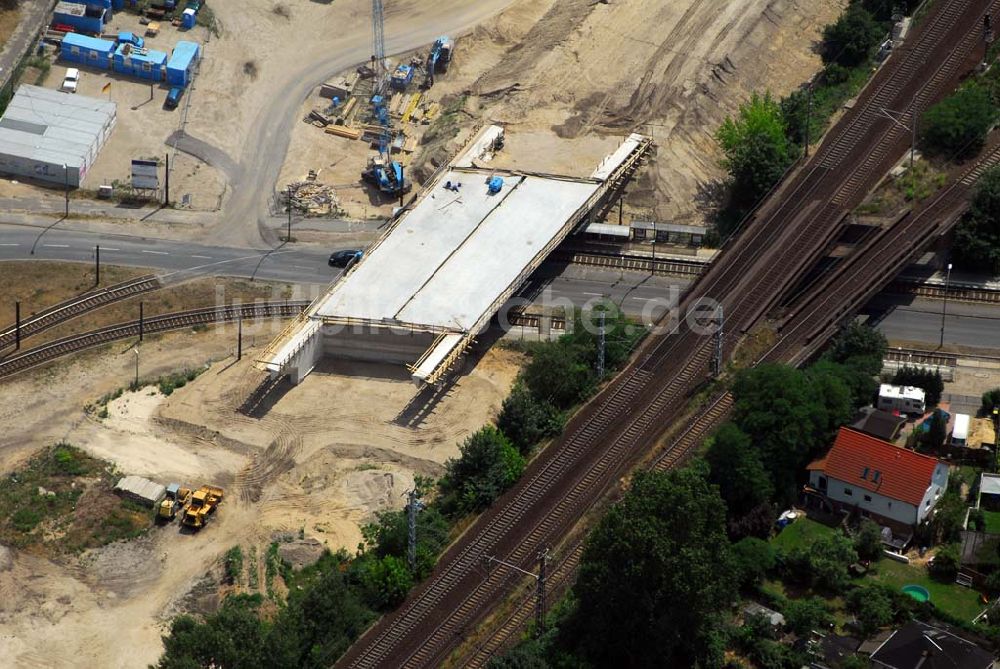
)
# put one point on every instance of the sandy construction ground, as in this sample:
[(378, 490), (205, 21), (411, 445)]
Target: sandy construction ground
[(329, 453)]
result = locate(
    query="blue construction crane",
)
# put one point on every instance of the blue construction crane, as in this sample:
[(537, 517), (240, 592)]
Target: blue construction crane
[(438, 59), (382, 172)]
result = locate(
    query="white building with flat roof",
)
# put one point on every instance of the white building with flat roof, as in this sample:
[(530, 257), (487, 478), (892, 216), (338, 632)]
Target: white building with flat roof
[(53, 136)]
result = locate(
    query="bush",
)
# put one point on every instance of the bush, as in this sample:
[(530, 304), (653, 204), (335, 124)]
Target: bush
[(823, 563), (754, 558), (852, 39), (386, 581), (977, 237), (527, 420), (233, 562), (805, 615), (557, 375), (991, 400), (860, 345), (488, 465), (945, 564), (956, 127), (26, 519), (68, 460)]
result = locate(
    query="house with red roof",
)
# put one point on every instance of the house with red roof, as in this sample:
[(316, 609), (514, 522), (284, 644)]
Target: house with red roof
[(879, 479)]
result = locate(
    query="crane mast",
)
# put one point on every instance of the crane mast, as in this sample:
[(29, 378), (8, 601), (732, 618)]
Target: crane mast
[(378, 48)]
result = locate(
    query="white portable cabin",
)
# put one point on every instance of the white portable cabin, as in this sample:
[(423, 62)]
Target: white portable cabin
[(905, 399), (960, 432)]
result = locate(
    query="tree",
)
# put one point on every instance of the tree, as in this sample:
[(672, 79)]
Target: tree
[(931, 382), (937, 431), (489, 464), (527, 420), (735, 467), (756, 148), (753, 558), (956, 127), (859, 344), (655, 575), (233, 636), (389, 535), (873, 607), (868, 540), (784, 415), (823, 563), (860, 384), (991, 400), (385, 580), (557, 373), (795, 116), (977, 237), (851, 40), (805, 615), (945, 564), (757, 522)]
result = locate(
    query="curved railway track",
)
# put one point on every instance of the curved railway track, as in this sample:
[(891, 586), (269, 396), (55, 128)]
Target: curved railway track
[(609, 436), (184, 319), (77, 306)]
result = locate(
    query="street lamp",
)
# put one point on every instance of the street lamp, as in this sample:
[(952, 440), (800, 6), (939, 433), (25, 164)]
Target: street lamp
[(136, 351), (66, 186), (944, 304)]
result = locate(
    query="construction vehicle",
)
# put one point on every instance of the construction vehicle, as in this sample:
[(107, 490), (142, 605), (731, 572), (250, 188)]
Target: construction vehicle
[(382, 172), (203, 502), (438, 59), (401, 77), (177, 497)]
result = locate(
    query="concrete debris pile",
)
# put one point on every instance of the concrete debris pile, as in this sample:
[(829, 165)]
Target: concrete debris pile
[(312, 199)]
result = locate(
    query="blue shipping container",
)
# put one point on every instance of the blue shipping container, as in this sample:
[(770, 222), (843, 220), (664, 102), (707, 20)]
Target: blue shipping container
[(180, 67), (85, 50), (81, 18)]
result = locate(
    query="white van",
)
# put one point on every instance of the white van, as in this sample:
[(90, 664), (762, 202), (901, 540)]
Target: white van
[(960, 433), (70, 81)]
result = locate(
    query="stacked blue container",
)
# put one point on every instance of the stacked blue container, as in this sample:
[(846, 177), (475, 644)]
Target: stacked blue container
[(142, 63), (180, 67), (85, 18), (87, 50)]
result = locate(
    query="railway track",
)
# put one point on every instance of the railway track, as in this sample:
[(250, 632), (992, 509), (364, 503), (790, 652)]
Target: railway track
[(40, 355), (611, 434), (77, 306)]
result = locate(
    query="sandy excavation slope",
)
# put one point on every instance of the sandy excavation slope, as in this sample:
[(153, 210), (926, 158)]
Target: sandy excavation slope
[(330, 453), (575, 75)]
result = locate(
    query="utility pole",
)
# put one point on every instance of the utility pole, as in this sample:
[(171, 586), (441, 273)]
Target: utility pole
[(809, 106), (402, 180), (543, 557), (411, 529), (141, 323), (944, 304), (17, 325), (239, 338), (97, 265), (66, 187), (166, 181), (600, 344), (288, 237), (621, 201), (718, 337)]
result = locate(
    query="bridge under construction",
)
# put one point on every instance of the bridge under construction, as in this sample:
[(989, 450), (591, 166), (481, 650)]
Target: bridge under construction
[(448, 263)]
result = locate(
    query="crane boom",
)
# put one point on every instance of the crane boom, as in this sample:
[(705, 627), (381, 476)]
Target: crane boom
[(378, 47)]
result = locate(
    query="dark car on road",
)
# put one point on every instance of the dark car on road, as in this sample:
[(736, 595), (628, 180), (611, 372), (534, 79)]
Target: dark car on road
[(344, 258)]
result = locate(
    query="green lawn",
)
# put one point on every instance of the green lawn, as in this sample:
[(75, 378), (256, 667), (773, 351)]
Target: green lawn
[(992, 522), (800, 533), (949, 597)]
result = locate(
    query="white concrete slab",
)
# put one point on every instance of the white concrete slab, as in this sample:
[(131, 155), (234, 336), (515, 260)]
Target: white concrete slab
[(436, 356)]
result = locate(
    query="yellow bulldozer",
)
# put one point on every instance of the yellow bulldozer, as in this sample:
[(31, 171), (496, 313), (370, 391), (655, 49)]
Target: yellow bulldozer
[(177, 497), (202, 503)]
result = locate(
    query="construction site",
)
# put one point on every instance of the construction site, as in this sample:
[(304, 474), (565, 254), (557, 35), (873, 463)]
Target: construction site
[(458, 145)]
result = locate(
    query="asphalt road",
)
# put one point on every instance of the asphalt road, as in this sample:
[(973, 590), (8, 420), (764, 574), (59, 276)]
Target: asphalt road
[(919, 320), (175, 260)]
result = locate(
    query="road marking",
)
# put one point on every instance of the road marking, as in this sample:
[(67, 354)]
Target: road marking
[(57, 246), (9, 244), (159, 253), (106, 248), (597, 294), (300, 267), (203, 257)]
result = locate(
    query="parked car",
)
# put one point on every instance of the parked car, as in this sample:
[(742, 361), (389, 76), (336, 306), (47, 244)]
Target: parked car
[(173, 97), (70, 81), (344, 258)]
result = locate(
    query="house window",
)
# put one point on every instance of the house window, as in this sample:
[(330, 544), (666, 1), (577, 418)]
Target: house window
[(822, 483), (927, 503), (890, 505), (868, 498), (848, 491), (146, 67)]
